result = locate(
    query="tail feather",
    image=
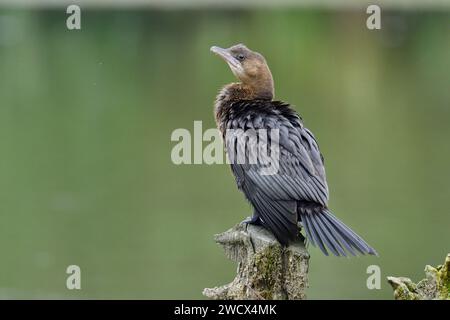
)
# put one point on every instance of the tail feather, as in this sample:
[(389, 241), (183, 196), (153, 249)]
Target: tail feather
[(332, 242), (315, 234), (338, 237), (307, 229), (328, 232), (349, 234)]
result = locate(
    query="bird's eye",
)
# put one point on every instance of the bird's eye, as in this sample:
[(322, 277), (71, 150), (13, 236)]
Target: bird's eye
[(240, 57)]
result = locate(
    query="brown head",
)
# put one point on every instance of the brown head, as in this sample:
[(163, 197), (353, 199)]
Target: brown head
[(251, 69)]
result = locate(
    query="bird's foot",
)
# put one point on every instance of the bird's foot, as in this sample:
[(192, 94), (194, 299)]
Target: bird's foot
[(251, 220), (254, 220)]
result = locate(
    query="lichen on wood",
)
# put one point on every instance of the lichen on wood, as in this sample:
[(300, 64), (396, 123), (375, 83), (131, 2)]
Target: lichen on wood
[(436, 285), (266, 270)]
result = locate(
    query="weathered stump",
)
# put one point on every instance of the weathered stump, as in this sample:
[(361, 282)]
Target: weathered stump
[(266, 270), (436, 286)]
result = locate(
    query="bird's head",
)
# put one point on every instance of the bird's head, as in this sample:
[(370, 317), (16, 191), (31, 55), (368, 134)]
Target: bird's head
[(250, 68)]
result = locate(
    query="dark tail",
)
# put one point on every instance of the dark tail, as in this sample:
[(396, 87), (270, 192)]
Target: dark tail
[(323, 229)]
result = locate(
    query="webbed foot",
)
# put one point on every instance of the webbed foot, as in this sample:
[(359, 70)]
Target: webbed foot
[(254, 220)]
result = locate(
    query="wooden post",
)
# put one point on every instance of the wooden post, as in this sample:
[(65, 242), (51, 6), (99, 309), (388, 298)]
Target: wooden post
[(265, 270)]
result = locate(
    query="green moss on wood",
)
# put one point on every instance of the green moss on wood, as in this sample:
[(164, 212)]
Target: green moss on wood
[(436, 285), (268, 270)]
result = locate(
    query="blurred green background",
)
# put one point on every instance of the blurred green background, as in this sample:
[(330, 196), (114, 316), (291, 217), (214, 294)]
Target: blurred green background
[(86, 117)]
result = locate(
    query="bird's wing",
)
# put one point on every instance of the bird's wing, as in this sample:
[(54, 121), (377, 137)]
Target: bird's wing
[(300, 175), (301, 172)]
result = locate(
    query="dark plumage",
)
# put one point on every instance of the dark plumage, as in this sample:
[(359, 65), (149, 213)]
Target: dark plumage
[(298, 192)]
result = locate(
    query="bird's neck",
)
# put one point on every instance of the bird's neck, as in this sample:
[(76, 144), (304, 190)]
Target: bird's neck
[(237, 92), (262, 90)]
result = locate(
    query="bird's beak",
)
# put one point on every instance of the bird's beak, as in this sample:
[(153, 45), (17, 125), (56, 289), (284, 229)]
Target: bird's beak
[(234, 63)]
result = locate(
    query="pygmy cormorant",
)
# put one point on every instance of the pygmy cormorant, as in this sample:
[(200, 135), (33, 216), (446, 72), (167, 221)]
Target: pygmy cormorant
[(297, 194)]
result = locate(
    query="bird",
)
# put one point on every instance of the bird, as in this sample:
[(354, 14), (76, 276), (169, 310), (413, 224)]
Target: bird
[(296, 197)]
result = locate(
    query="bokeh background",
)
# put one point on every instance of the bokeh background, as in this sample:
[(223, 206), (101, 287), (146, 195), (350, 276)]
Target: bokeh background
[(86, 116)]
